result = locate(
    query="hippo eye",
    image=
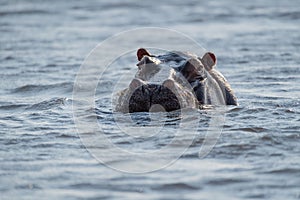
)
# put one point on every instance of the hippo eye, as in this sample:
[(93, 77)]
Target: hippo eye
[(200, 78), (148, 60)]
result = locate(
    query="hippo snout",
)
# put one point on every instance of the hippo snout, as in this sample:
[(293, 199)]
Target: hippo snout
[(153, 97)]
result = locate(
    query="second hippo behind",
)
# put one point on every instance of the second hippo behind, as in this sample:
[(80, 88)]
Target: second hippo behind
[(174, 81)]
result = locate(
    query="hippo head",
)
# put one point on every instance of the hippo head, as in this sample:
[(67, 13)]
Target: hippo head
[(163, 83)]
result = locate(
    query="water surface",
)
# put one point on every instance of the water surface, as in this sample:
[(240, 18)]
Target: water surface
[(42, 46)]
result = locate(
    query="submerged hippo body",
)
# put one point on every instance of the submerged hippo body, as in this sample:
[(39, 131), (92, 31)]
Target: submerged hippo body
[(173, 81)]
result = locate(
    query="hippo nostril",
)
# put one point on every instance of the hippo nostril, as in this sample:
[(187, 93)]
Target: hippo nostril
[(145, 90)]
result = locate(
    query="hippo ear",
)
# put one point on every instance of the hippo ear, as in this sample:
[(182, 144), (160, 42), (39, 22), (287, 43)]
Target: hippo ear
[(141, 52), (135, 83), (169, 84), (193, 70), (209, 60)]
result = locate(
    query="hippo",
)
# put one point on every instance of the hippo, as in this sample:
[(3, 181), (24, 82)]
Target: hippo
[(173, 81)]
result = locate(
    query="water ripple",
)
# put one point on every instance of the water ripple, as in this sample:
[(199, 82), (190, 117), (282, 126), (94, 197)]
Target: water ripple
[(36, 89)]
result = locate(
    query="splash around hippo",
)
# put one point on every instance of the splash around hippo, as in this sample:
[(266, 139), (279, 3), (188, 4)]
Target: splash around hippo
[(173, 81)]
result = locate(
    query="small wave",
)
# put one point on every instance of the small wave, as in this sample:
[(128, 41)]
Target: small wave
[(48, 104), (9, 58), (85, 185), (51, 65), (290, 171), (234, 109), (63, 135), (176, 186), (28, 186), (226, 181), (289, 15), (110, 5), (24, 12), (255, 110), (30, 88), (238, 147), (269, 138), (252, 129), (13, 107)]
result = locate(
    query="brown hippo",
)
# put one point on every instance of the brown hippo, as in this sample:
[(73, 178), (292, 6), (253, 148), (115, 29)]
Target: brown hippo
[(173, 81)]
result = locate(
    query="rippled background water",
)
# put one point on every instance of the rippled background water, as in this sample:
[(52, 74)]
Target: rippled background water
[(42, 46)]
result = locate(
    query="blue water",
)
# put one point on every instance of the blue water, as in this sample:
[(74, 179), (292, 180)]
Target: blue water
[(43, 44)]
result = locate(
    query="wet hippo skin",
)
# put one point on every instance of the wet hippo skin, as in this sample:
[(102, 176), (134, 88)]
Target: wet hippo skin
[(173, 81)]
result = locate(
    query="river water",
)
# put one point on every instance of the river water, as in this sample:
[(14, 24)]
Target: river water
[(44, 156)]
